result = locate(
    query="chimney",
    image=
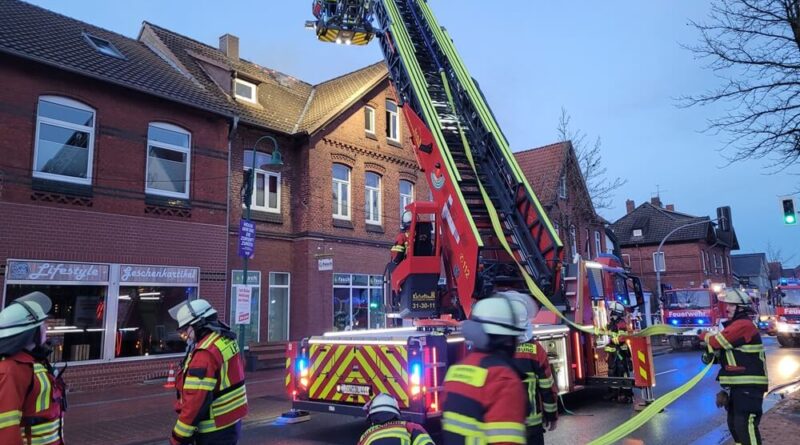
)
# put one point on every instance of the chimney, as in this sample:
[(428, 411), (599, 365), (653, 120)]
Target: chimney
[(656, 201), (229, 44), (629, 205), (671, 207)]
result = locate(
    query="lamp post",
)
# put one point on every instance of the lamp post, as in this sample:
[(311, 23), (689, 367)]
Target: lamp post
[(248, 184), (658, 254)]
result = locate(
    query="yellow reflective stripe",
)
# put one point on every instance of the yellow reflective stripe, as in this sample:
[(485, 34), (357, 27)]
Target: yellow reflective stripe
[(533, 419), (52, 437), (550, 407), (751, 428), (723, 341), (400, 434), (208, 341), (511, 432), (546, 383), (461, 424), (219, 410), (238, 392), (752, 349), (204, 384), (423, 439), (43, 398), (47, 427), (470, 375), (10, 418), (208, 426), (527, 347), (398, 248), (729, 357), (226, 381), (743, 380), (183, 430)]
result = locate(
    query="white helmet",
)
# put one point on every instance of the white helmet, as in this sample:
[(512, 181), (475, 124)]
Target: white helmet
[(24, 313), (383, 403), (615, 307), (504, 313), (190, 312), (735, 296), (406, 218)]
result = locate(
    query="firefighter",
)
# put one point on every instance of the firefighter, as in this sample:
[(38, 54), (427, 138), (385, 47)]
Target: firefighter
[(483, 397), (401, 241), (531, 359), (387, 428), (743, 373), (617, 353), (212, 400), (31, 396)]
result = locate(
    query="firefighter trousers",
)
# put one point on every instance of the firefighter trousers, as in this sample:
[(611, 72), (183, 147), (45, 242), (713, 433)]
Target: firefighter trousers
[(535, 434), (226, 436), (744, 415)]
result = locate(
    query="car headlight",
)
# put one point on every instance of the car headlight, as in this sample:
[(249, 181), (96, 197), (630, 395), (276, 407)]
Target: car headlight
[(782, 327)]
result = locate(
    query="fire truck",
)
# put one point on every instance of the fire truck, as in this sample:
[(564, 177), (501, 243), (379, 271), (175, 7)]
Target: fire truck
[(787, 313), (484, 230), (696, 308)]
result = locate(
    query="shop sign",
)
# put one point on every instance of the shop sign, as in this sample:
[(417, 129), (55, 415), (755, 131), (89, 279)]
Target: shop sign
[(51, 271), (129, 273), (324, 264), (243, 295)]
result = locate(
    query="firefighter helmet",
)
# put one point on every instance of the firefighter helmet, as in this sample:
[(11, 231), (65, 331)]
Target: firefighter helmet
[(405, 220), (383, 403), (24, 313), (191, 312), (616, 308), (501, 314), (735, 296)]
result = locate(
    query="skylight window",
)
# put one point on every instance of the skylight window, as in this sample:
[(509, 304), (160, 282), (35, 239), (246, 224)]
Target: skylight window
[(104, 46), (244, 90)]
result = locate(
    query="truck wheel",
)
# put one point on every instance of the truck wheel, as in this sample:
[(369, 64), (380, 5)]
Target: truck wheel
[(785, 341), (675, 342)]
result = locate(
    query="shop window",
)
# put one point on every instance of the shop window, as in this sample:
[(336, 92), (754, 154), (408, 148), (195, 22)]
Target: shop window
[(406, 195), (266, 184), (168, 159), (372, 198), (369, 120), (358, 302), (76, 320), (341, 191), (278, 309), (392, 122), (144, 326), (64, 140)]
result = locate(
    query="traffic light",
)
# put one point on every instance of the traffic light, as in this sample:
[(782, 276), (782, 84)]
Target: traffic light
[(789, 212)]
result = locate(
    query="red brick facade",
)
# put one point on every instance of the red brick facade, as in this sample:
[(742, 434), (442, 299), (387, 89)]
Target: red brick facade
[(684, 264), (114, 224)]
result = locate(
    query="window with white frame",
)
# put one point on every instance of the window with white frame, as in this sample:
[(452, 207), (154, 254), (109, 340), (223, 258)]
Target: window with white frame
[(341, 191), (369, 120), (573, 241), (64, 140), (562, 186), (406, 194), (168, 159), (392, 122), (597, 248), (266, 184), (245, 90), (278, 308), (588, 245), (703, 261), (372, 198)]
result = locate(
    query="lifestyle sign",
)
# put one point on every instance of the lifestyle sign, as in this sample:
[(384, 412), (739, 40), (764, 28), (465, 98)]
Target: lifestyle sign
[(52, 271)]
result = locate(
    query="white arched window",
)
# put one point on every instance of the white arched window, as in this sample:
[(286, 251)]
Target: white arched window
[(64, 140), (372, 198), (341, 191), (168, 160), (406, 194)]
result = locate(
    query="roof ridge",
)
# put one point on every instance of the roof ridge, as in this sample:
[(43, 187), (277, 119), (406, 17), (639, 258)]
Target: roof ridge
[(341, 76), (543, 147)]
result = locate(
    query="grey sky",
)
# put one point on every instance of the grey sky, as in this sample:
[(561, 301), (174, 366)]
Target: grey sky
[(616, 67)]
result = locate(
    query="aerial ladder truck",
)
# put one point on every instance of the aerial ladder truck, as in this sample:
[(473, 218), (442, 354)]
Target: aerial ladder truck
[(484, 230)]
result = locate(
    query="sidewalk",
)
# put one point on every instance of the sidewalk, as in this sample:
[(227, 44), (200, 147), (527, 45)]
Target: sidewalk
[(143, 414)]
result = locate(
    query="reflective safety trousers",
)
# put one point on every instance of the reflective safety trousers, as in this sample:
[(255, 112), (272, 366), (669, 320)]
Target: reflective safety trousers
[(531, 358), (396, 433), (31, 402), (483, 402), (211, 390), (741, 354)]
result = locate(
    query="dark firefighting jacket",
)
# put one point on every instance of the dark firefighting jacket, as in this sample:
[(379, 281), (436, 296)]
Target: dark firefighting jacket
[(617, 348), (483, 402), (396, 433), (31, 402), (531, 358), (400, 246), (211, 390), (741, 353)]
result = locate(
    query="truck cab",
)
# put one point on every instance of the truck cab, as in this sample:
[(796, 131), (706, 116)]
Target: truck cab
[(787, 313), (697, 308)]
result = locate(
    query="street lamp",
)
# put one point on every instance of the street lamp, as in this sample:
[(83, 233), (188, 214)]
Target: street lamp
[(658, 253), (248, 184)]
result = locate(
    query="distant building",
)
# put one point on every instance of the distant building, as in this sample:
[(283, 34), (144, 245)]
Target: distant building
[(751, 270), (694, 256)]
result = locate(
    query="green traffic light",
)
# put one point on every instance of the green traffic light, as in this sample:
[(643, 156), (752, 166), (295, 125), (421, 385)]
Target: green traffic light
[(790, 219)]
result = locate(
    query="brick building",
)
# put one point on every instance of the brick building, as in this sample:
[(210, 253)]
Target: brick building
[(555, 176), (348, 169), (100, 199), (694, 256)]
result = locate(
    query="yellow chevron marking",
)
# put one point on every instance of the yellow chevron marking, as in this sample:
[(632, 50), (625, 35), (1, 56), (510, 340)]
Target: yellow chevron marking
[(328, 360), (390, 356), (641, 356), (321, 361), (339, 372), (376, 380), (643, 373)]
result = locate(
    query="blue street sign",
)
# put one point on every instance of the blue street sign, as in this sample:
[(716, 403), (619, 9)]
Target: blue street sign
[(247, 238)]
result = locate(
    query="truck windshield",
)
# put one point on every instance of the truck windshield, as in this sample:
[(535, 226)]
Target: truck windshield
[(791, 297), (689, 299)]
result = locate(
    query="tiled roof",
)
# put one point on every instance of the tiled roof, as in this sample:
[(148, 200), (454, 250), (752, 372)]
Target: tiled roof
[(43, 36), (749, 265), (655, 223), (285, 104), (542, 167)]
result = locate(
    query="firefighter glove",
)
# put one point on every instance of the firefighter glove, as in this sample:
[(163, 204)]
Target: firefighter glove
[(722, 399), (707, 357)]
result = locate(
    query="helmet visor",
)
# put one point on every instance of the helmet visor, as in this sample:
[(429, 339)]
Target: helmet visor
[(34, 300)]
